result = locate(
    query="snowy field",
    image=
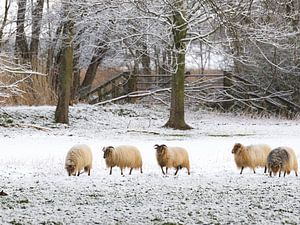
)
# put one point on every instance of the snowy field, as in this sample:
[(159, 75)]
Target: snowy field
[(40, 192)]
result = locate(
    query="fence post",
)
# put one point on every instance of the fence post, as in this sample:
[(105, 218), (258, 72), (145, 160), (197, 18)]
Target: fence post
[(227, 83), (132, 86), (100, 95), (115, 89)]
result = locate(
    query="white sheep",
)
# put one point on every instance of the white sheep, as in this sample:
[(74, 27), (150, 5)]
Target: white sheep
[(251, 156), (123, 156), (79, 157), (293, 162), (282, 159), (172, 157)]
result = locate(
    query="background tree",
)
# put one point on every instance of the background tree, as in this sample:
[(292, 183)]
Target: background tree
[(179, 32), (21, 44), (37, 14), (66, 69), (4, 20)]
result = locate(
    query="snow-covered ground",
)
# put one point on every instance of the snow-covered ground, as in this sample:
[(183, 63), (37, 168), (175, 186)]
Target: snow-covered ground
[(40, 192)]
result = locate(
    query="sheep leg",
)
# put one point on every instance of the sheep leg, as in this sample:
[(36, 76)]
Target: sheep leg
[(265, 169), (176, 170), (141, 170), (242, 170), (296, 173), (166, 170), (279, 173), (89, 172), (188, 169), (130, 171), (284, 173), (110, 171), (162, 170), (270, 173), (78, 173), (122, 171), (254, 170)]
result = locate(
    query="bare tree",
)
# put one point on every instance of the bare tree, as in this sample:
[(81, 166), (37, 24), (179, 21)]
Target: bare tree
[(179, 32), (98, 55), (37, 14), (21, 45), (66, 68), (4, 21)]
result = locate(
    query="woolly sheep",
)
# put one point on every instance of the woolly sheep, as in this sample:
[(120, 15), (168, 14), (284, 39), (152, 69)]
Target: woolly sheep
[(79, 157), (169, 157), (251, 156), (282, 159), (123, 156)]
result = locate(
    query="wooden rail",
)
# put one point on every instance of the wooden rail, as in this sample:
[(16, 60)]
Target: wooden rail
[(122, 86), (125, 83)]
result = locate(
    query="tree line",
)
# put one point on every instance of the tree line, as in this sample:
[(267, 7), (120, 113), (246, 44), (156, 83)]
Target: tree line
[(259, 41)]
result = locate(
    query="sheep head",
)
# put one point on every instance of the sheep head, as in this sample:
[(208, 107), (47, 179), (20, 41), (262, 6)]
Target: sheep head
[(160, 149), (237, 148), (107, 151), (70, 167), (275, 168)]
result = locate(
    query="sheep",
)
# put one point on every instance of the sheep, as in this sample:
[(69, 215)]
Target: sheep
[(251, 156), (169, 157), (293, 163), (123, 156), (282, 159), (79, 157)]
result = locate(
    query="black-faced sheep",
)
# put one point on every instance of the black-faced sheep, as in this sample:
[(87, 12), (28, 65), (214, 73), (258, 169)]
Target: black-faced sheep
[(79, 157), (251, 156), (123, 156), (282, 159), (172, 157)]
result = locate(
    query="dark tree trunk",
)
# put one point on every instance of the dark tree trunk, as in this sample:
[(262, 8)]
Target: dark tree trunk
[(6, 8), (66, 72), (76, 80), (176, 119), (90, 75), (54, 60), (37, 15), (21, 45), (145, 59)]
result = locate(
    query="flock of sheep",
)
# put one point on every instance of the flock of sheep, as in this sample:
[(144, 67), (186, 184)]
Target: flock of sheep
[(281, 159), (80, 158)]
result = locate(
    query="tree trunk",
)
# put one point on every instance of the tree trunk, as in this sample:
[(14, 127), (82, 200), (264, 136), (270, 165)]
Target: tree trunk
[(145, 59), (76, 74), (66, 71), (176, 119), (54, 60), (90, 75), (37, 15), (21, 46), (6, 8)]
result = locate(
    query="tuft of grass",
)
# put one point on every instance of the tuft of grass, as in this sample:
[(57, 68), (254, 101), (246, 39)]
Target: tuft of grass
[(229, 135), (168, 223), (14, 222), (23, 201)]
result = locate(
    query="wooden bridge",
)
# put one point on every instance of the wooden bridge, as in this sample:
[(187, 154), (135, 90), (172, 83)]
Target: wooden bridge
[(222, 88), (125, 83)]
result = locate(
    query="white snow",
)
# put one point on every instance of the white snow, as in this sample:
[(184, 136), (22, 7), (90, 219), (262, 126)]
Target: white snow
[(40, 192)]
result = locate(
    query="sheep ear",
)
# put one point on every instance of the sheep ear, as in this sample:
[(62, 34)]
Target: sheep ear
[(156, 146), (238, 145), (103, 149)]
